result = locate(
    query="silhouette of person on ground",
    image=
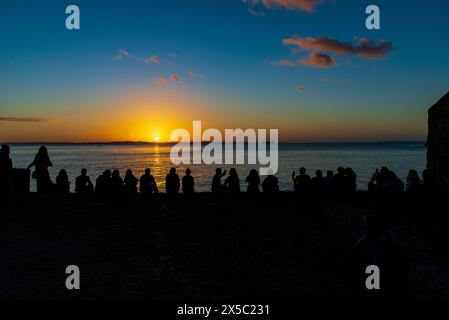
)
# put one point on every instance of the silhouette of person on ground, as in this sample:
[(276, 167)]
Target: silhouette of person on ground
[(217, 187), (188, 183), (318, 182), (339, 182), (5, 170), (41, 163), (172, 182), (379, 247), (301, 182), (103, 184), (148, 183), (83, 183), (413, 182), (329, 181), (350, 180), (392, 184), (62, 182), (232, 182), (429, 185), (117, 186), (130, 182), (253, 181), (270, 184)]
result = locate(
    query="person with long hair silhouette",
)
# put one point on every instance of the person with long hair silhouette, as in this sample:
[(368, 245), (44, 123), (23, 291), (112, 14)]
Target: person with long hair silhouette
[(41, 163)]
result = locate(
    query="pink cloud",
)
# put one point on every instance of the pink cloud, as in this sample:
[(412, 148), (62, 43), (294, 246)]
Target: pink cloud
[(318, 60), (175, 78), (154, 59), (160, 81), (363, 47), (285, 63), (302, 5)]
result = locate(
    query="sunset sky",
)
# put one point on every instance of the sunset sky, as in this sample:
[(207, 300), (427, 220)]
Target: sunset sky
[(138, 69)]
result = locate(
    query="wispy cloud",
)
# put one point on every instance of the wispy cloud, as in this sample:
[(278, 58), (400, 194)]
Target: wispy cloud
[(256, 13), (318, 60), (363, 47), (121, 54), (23, 119), (161, 81), (153, 59), (285, 63), (301, 5), (175, 78)]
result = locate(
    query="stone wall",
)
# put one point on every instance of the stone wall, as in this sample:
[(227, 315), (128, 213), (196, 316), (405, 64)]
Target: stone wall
[(438, 143)]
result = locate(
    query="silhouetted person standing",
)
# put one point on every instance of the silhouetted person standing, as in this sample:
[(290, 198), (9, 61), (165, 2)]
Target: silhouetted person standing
[(41, 163), (318, 182), (130, 182), (329, 180), (217, 187), (232, 182), (116, 183), (188, 183), (83, 183), (172, 182), (103, 183), (270, 184), (5, 170), (413, 182), (62, 182), (301, 182), (148, 183), (253, 181)]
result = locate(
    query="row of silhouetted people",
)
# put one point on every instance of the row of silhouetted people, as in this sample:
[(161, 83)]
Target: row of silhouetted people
[(110, 182)]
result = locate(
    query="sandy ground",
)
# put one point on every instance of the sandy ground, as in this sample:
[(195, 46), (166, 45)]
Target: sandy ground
[(209, 248)]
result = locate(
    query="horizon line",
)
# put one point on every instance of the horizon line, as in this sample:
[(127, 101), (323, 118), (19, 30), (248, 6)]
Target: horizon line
[(205, 142)]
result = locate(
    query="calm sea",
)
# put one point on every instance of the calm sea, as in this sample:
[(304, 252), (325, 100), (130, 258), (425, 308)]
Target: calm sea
[(364, 158)]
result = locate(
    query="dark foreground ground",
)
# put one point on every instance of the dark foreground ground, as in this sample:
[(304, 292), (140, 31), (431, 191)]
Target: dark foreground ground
[(204, 248)]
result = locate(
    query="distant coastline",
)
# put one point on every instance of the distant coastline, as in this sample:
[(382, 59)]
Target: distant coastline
[(140, 143)]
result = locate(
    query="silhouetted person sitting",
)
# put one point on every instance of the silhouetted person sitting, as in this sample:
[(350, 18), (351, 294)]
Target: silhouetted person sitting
[(232, 182), (339, 183), (117, 186), (329, 181), (172, 182), (318, 182), (130, 182), (103, 183), (253, 181), (378, 247), (41, 163), (270, 184), (429, 185), (350, 180), (413, 182), (188, 183), (5, 170), (62, 182), (83, 183), (148, 183), (301, 182), (217, 187), (392, 183)]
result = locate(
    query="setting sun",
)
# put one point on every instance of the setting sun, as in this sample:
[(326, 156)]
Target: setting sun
[(156, 138)]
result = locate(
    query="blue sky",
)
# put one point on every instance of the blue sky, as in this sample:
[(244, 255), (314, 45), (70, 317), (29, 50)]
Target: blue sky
[(232, 53)]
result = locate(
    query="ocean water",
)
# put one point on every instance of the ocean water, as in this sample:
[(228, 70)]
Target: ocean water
[(364, 158)]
